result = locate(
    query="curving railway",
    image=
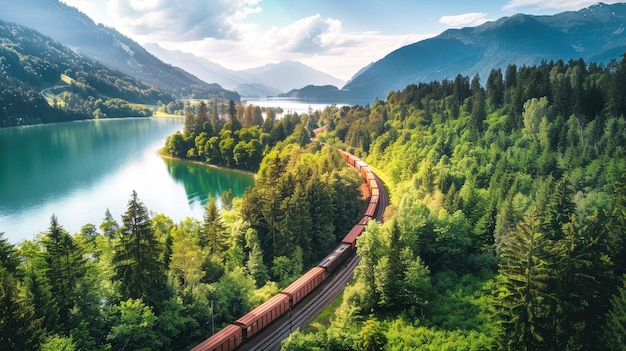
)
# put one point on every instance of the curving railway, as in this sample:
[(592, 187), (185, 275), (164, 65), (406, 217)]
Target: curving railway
[(301, 301)]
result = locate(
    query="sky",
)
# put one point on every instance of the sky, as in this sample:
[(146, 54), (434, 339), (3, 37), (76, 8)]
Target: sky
[(338, 37)]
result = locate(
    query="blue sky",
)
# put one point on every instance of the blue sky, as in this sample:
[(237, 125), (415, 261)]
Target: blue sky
[(338, 37)]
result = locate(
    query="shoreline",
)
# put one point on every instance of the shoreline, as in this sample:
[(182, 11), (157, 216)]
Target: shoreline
[(169, 157)]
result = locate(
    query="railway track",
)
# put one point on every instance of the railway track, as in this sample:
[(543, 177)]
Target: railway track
[(303, 313), (268, 324)]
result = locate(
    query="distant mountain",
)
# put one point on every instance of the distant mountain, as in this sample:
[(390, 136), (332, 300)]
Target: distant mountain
[(74, 29), (289, 75), (597, 33), (268, 80)]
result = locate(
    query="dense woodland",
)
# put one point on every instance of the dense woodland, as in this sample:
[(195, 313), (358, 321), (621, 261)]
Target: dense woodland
[(509, 212), (505, 232), (147, 283)]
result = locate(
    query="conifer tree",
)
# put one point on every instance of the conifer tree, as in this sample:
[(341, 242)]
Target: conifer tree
[(212, 234), (137, 252), (614, 331), (65, 265), (20, 328), (523, 300)]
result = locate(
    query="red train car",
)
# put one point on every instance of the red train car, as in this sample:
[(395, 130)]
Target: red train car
[(263, 315), (373, 184), (350, 238), (375, 191), (352, 160), (364, 220), (226, 339), (305, 284), (371, 208), (346, 157), (364, 170), (336, 258)]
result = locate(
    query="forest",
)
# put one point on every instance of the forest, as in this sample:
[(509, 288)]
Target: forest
[(147, 283), (505, 230), (509, 210)]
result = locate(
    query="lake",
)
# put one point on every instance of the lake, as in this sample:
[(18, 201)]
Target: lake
[(78, 170)]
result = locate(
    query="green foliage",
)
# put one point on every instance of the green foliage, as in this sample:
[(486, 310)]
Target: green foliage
[(524, 295), (501, 200), (137, 255), (55, 343), (213, 234), (134, 327), (214, 134), (614, 336), (297, 199)]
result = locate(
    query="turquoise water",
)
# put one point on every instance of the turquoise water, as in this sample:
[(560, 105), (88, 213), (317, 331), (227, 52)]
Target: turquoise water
[(79, 170)]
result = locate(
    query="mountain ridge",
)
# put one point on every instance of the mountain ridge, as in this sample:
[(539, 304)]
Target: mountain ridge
[(520, 39), (77, 31), (267, 80)]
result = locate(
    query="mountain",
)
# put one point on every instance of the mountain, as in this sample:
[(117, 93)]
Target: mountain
[(43, 82), (596, 33), (289, 75), (74, 29), (268, 80)]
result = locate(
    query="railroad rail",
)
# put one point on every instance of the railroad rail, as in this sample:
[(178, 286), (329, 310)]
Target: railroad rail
[(265, 326)]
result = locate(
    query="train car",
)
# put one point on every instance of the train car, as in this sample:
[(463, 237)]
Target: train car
[(305, 284), (364, 220), (360, 166), (352, 160), (375, 191), (364, 170), (227, 339), (334, 260), (371, 208), (374, 199), (355, 232), (346, 157), (263, 315), (373, 184)]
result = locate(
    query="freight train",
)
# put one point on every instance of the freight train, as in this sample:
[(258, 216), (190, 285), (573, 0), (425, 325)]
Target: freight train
[(246, 327)]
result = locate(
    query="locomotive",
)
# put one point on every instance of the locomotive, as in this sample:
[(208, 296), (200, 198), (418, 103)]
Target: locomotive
[(246, 327)]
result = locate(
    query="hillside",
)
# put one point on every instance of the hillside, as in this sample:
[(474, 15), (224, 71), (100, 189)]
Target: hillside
[(106, 45), (506, 229), (596, 33), (43, 81)]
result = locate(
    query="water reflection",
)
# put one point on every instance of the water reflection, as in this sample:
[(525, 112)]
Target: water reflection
[(201, 181)]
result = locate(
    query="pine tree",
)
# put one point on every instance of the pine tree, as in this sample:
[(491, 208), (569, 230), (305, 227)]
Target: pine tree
[(584, 279), (109, 226), (20, 328), (523, 300), (614, 337), (65, 265), (137, 252), (212, 234)]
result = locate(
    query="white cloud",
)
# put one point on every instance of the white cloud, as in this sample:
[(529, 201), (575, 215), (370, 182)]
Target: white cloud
[(181, 20), (315, 41), (554, 4), (312, 34), (221, 31), (466, 19)]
